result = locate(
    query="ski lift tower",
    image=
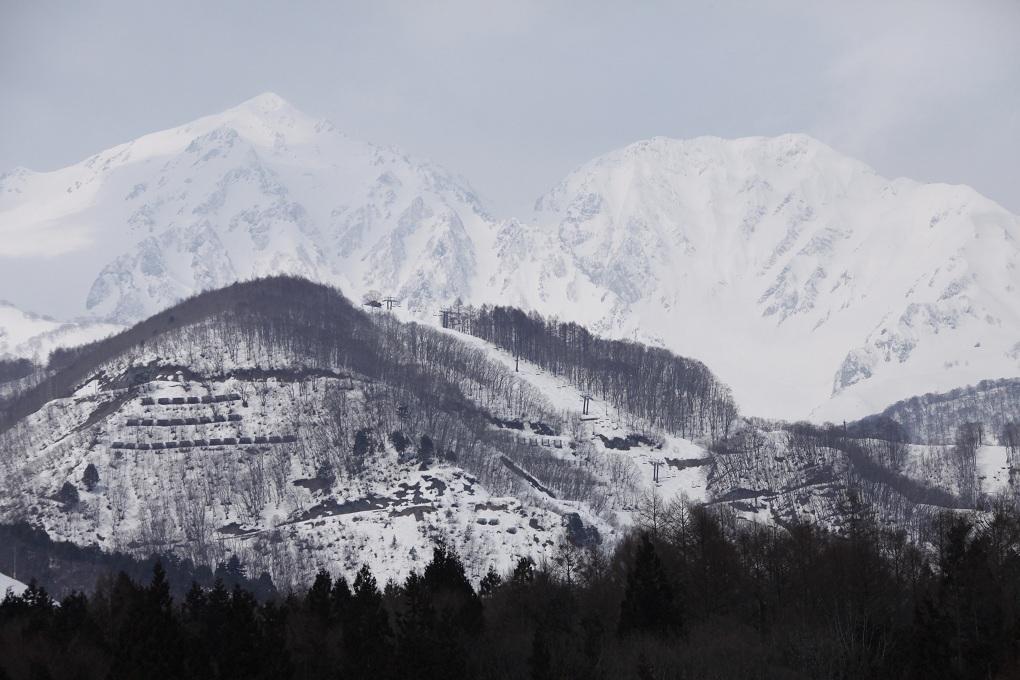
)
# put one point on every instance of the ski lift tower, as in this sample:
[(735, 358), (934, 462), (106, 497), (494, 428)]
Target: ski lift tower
[(446, 315), (656, 464), (586, 401), (453, 318)]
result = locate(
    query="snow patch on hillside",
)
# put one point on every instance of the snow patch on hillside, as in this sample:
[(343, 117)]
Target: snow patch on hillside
[(670, 458), (8, 584)]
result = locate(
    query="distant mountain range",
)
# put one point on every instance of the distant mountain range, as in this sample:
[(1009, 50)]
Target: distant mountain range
[(34, 337), (808, 283)]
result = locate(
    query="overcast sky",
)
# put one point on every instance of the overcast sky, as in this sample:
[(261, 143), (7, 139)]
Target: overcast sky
[(513, 95)]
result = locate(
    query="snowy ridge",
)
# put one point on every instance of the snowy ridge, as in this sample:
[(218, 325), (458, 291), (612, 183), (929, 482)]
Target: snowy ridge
[(794, 272), (807, 282), (256, 190)]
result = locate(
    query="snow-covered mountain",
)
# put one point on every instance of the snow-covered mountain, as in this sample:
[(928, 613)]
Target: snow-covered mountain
[(30, 336), (794, 272), (809, 283), (258, 189)]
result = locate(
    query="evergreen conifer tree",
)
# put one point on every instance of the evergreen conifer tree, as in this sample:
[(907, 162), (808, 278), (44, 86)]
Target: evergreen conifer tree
[(648, 598)]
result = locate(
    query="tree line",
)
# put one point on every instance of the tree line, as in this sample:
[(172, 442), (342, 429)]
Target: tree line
[(935, 418), (692, 592), (15, 369), (670, 392), (63, 567)]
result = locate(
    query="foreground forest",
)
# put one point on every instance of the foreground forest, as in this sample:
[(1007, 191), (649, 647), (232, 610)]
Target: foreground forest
[(691, 594)]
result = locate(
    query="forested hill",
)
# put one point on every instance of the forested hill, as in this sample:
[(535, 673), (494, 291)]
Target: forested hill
[(677, 394), (936, 418), (277, 422), (303, 319)]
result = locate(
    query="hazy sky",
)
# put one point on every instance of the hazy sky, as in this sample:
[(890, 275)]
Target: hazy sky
[(513, 95)]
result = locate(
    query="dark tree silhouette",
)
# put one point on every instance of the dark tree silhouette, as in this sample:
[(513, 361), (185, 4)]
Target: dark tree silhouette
[(718, 600), (90, 478), (648, 605), (68, 495)]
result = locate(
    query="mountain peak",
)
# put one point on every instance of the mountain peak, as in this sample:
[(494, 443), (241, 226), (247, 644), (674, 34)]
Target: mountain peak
[(269, 109), (266, 120), (266, 102), (721, 149)]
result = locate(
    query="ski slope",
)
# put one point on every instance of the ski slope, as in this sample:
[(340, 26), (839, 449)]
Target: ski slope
[(8, 584)]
